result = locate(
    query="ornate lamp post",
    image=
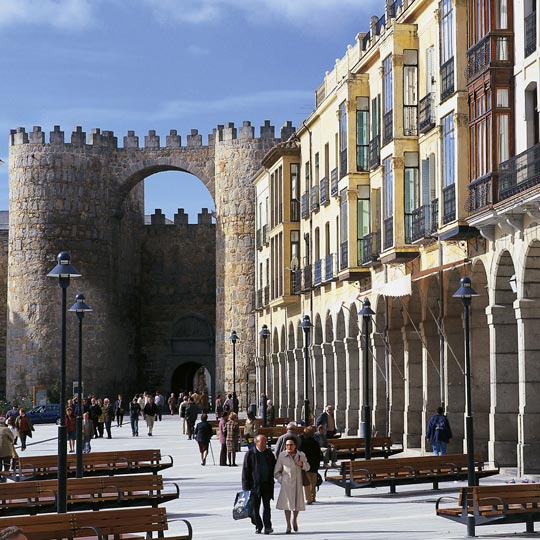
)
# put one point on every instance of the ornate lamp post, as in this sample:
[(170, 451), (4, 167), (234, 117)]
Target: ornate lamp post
[(234, 338), (466, 292), (64, 271), (366, 312), (80, 307), (264, 333), (306, 326)]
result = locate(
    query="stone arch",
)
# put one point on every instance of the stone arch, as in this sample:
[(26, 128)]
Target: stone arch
[(317, 331), (503, 333), (290, 341), (527, 312), (283, 342), (340, 325), (352, 327), (275, 341), (328, 328)]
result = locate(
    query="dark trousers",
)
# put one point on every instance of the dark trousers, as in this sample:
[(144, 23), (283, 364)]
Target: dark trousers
[(223, 455), (108, 428), (265, 497), (134, 425), (23, 436), (119, 419)]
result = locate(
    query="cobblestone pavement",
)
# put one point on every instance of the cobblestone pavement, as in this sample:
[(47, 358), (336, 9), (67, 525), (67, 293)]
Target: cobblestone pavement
[(207, 494)]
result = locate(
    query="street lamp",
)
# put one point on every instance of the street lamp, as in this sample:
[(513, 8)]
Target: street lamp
[(306, 326), (63, 271), (80, 307), (264, 333), (234, 338), (466, 292), (366, 312)]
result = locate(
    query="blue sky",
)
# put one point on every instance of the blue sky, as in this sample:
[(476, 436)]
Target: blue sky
[(167, 64)]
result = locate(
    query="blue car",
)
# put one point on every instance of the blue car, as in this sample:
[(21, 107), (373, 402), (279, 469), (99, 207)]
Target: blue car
[(44, 414)]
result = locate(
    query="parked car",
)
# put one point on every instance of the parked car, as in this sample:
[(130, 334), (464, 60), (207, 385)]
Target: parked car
[(44, 414)]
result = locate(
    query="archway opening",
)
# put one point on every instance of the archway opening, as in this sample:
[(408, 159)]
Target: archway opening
[(190, 377)]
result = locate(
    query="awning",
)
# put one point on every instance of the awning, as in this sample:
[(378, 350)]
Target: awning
[(398, 287)]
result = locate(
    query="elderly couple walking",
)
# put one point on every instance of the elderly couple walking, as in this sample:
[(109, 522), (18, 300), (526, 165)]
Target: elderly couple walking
[(258, 473)]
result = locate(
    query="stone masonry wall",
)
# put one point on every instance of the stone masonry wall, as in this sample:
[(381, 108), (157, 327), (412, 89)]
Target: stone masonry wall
[(178, 281)]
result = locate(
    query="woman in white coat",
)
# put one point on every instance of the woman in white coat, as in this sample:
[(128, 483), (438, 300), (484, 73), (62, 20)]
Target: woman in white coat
[(288, 472)]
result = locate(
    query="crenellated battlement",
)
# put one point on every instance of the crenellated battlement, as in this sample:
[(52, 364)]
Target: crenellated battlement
[(152, 141), (180, 218)]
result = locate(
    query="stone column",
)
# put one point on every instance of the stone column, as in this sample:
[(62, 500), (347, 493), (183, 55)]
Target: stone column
[(352, 417), (290, 395), (282, 384), (318, 384), (329, 387), (528, 448), (503, 429), (455, 379), (273, 388), (299, 384), (413, 388), (378, 364), (431, 381), (340, 377), (397, 385)]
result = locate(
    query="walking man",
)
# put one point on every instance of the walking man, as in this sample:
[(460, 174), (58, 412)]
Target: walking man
[(439, 432), (258, 476), (150, 414)]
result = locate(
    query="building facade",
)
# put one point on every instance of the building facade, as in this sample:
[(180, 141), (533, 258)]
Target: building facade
[(398, 175)]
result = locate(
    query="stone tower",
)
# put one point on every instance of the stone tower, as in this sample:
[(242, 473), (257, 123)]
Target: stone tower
[(86, 196)]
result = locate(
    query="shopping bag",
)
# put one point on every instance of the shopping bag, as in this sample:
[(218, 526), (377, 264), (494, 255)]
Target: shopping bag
[(243, 505)]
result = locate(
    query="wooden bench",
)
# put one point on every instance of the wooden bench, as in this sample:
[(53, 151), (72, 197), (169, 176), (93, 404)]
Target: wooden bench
[(92, 493), (410, 470), (96, 463), (494, 504), (273, 433), (355, 447), (281, 420), (133, 523)]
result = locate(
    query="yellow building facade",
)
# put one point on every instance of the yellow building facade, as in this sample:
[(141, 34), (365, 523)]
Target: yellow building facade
[(372, 196)]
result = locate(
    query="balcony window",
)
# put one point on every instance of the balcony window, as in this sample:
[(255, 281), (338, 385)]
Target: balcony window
[(448, 147), (370, 248), (362, 133), (330, 267), (334, 182), (317, 272), (344, 255), (412, 191), (374, 153), (447, 48), (388, 189), (449, 204), (388, 232), (519, 173), (362, 218), (305, 206), (410, 92), (343, 222), (314, 198), (324, 191), (447, 79), (295, 191)]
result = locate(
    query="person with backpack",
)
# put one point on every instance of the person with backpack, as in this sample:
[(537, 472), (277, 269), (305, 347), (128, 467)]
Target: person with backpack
[(439, 432)]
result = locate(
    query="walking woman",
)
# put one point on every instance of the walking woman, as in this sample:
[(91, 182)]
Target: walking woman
[(134, 413), (203, 434), (222, 433), (312, 450), (24, 426), (288, 473), (233, 435)]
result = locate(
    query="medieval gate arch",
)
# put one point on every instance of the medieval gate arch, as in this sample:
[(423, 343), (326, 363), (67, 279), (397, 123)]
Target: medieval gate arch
[(85, 196)]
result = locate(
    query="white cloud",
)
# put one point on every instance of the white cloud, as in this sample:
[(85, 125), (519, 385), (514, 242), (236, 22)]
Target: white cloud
[(300, 13), (60, 14)]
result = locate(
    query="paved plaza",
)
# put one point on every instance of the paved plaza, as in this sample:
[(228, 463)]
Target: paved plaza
[(207, 495)]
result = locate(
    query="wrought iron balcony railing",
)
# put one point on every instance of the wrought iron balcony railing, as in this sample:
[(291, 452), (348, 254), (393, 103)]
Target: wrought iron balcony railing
[(305, 206), (324, 191), (342, 163), (344, 255), (447, 79), (314, 198), (258, 239), (266, 295), (478, 57), (296, 281), (421, 226), (388, 232), (265, 235), (371, 248), (426, 113), (334, 189), (295, 210), (530, 33), (388, 127), (449, 203), (434, 216), (307, 279), (330, 267), (519, 173), (482, 193), (317, 272), (258, 299), (374, 153)]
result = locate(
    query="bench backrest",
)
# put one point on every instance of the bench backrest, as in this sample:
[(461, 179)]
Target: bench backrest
[(418, 464), (508, 493), (359, 443), (108, 522)]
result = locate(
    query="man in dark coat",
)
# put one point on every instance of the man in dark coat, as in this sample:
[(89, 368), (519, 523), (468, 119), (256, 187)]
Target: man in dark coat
[(439, 432), (258, 477), (191, 412)]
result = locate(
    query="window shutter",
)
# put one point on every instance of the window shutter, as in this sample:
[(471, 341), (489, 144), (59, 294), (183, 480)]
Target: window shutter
[(426, 196)]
